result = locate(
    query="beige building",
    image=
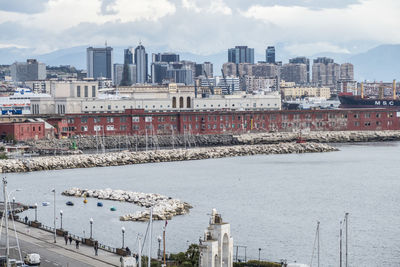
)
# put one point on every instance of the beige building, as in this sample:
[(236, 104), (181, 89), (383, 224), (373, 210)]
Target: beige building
[(157, 98), (298, 92), (254, 84)]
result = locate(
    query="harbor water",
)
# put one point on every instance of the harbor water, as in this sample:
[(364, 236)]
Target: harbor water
[(272, 202)]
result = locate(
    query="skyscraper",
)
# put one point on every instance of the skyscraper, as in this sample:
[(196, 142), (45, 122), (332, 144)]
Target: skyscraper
[(241, 54), (99, 62), (270, 54), (302, 60), (31, 70), (141, 64), (128, 55), (165, 57)]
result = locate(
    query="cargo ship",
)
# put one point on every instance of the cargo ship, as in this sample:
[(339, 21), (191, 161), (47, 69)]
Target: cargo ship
[(348, 100)]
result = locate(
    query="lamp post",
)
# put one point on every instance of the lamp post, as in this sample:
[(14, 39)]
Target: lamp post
[(61, 214), (159, 247), (13, 207), (54, 214), (35, 212), (259, 254), (123, 237), (91, 225)]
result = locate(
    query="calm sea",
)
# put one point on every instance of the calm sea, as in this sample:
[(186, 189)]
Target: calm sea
[(272, 202)]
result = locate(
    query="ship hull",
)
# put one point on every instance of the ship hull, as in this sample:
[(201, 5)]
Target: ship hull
[(349, 101)]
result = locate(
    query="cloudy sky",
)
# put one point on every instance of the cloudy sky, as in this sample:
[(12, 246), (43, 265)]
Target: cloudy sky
[(301, 27)]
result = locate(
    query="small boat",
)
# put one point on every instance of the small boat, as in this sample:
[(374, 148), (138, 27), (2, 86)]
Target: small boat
[(99, 204), (69, 203), (44, 204), (113, 209), (85, 201)]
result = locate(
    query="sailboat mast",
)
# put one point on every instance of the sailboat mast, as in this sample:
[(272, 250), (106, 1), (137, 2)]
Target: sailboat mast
[(340, 257), (140, 252), (318, 242), (346, 218), (150, 237)]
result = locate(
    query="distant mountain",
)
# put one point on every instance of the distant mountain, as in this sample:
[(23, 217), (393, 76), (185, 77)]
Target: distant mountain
[(379, 63)]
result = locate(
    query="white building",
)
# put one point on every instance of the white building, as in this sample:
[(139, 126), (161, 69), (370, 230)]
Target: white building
[(216, 249)]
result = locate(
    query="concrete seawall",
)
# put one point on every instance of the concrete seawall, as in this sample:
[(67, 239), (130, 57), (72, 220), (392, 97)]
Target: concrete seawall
[(126, 158)]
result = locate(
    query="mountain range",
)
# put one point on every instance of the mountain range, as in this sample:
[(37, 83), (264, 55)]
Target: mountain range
[(381, 63)]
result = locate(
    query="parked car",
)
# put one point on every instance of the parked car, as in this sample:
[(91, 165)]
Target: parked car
[(32, 259)]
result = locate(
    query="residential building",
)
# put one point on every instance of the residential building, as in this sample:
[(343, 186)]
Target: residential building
[(99, 62), (245, 69), (270, 54), (141, 64), (265, 70), (257, 84), (39, 87), (325, 72), (31, 70), (298, 92), (230, 69), (294, 72), (347, 71), (302, 60), (241, 54)]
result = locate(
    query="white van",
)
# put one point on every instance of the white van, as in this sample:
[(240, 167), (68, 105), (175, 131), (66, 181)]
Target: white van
[(32, 259)]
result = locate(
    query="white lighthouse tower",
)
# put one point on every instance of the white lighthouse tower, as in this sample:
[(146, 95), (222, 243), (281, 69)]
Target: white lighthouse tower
[(216, 249)]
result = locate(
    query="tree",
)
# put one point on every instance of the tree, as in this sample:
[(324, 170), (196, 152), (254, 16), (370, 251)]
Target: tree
[(126, 76)]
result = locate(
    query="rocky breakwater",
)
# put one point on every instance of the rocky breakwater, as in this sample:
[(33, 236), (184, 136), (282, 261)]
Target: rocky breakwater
[(318, 137), (126, 158), (164, 208)]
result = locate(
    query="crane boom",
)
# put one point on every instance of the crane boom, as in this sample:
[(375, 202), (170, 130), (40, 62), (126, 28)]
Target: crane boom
[(208, 82), (228, 87)]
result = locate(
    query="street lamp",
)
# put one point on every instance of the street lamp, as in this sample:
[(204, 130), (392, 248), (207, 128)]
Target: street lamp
[(159, 247), (91, 225), (61, 214), (259, 254), (35, 212), (123, 237), (55, 231), (13, 206)]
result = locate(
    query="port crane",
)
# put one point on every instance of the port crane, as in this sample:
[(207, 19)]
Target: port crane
[(208, 82), (228, 87)]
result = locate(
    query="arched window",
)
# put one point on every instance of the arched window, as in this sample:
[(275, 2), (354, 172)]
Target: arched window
[(188, 102), (174, 102), (181, 102)]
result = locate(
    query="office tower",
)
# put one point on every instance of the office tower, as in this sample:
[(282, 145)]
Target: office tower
[(119, 73), (241, 54), (180, 73), (31, 70), (204, 67), (302, 60), (270, 54), (165, 57), (230, 69), (99, 62), (294, 72), (159, 72), (347, 71), (128, 55), (141, 64)]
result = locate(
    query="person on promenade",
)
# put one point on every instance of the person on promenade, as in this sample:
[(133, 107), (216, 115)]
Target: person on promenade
[(128, 251), (96, 248), (70, 239), (66, 239), (26, 219), (77, 243)]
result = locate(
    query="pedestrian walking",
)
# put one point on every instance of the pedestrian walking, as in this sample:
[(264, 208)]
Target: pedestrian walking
[(26, 219), (66, 239), (77, 244), (70, 239), (96, 248)]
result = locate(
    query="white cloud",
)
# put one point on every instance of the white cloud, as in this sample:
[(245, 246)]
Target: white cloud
[(309, 49), (213, 6), (2, 45)]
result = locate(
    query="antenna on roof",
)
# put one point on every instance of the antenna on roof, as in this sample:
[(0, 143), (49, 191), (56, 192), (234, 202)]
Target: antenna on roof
[(106, 43)]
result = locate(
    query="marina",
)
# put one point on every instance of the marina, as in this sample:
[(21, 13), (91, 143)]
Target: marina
[(271, 201)]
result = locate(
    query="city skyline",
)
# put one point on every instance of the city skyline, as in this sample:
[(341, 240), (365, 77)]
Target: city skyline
[(302, 28)]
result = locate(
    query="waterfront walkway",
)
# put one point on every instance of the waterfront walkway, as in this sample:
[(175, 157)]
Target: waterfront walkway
[(84, 254)]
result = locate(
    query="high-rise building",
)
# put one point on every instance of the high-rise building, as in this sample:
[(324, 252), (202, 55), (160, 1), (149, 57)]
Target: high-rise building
[(204, 67), (270, 54), (245, 69), (241, 54), (165, 57), (302, 60), (159, 72), (31, 70), (325, 72), (119, 72), (99, 62), (294, 72), (230, 69), (128, 55), (265, 70), (141, 64), (180, 73), (347, 71)]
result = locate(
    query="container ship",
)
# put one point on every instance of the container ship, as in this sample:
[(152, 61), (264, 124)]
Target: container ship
[(348, 100)]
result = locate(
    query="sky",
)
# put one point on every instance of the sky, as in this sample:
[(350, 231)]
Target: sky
[(205, 27)]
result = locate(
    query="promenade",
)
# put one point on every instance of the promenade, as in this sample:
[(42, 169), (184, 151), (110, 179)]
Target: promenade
[(33, 239)]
